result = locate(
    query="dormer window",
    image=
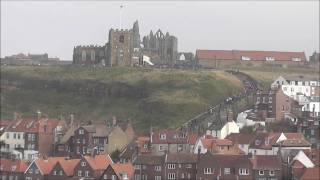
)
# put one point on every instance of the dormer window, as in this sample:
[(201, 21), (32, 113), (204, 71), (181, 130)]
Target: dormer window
[(257, 142), (270, 58), (162, 136), (81, 131), (296, 59), (83, 163), (245, 58)]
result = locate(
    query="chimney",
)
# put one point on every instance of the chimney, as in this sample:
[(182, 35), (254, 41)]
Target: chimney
[(39, 115), (198, 155), (114, 121), (71, 119)]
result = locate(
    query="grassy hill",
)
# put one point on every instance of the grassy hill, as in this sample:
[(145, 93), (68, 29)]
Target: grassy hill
[(161, 98)]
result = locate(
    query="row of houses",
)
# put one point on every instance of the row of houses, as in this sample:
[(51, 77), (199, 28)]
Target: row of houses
[(61, 168), (28, 138), (227, 58)]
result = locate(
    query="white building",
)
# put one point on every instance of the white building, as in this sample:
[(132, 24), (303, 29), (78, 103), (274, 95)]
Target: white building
[(247, 118), (225, 130)]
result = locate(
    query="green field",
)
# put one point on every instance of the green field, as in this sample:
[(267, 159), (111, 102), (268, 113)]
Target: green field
[(149, 97)]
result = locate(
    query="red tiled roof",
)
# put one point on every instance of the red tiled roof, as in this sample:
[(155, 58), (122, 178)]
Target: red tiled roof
[(46, 165), (30, 125), (314, 155), (68, 165), (253, 55), (123, 168), (98, 162), (9, 165), (311, 174)]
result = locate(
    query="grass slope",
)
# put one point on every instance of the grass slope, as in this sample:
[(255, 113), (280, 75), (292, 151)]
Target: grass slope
[(169, 97)]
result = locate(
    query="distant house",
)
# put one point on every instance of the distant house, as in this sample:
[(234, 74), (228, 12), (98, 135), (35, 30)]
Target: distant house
[(63, 169), (12, 168), (271, 143), (118, 172), (231, 58), (169, 141), (28, 138), (223, 130), (169, 166), (98, 138), (267, 167), (242, 140), (216, 146), (92, 166)]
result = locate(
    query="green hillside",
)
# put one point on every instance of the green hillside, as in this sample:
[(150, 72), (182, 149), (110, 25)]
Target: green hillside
[(161, 98)]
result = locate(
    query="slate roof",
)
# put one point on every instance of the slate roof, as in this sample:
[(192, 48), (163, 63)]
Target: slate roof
[(181, 158), (150, 159)]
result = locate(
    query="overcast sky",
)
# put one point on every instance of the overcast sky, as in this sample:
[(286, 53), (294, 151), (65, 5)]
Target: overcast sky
[(56, 27)]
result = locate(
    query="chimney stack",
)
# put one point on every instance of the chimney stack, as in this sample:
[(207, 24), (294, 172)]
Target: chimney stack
[(71, 119), (114, 121), (39, 115)]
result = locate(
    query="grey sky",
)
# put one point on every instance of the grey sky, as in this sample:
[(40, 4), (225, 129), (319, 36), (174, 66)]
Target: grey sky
[(55, 27)]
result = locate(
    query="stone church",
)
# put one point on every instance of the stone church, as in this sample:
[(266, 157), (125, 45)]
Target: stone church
[(124, 48)]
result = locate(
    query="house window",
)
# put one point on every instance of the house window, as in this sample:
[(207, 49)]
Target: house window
[(269, 58), (36, 171), (79, 173), (121, 39), (113, 177), (54, 172), (270, 99), (161, 148), (182, 176), (18, 136), (137, 167), (93, 55), (157, 178), (312, 132), (243, 171), (61, 173), (162, 136), (261, 172), (226, 170), (296, 59), (171, 166), (84, 141), (14, 135), (105, 176), (81, 131), (208, 171), (188, 166), (258, 99), (83, 163), (171, 176), (78, 150), (263, 99), (78, 141), (245, 58), (84, 56), (87, 173), (8, 136), (271, 173), (157, 168)]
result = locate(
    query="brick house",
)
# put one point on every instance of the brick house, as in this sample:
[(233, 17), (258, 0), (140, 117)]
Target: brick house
[(267, 167), (12, 169), (92, 166), (180, 166), (99, 138), (224, 167), (118, 172), (40, 168), (272, 105), (168, 141), (63, 169), (149, 167)]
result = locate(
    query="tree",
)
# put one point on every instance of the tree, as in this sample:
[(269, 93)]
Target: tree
[(115, 155)]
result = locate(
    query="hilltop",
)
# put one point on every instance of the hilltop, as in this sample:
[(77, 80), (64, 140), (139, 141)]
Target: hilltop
[(149, 97)]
